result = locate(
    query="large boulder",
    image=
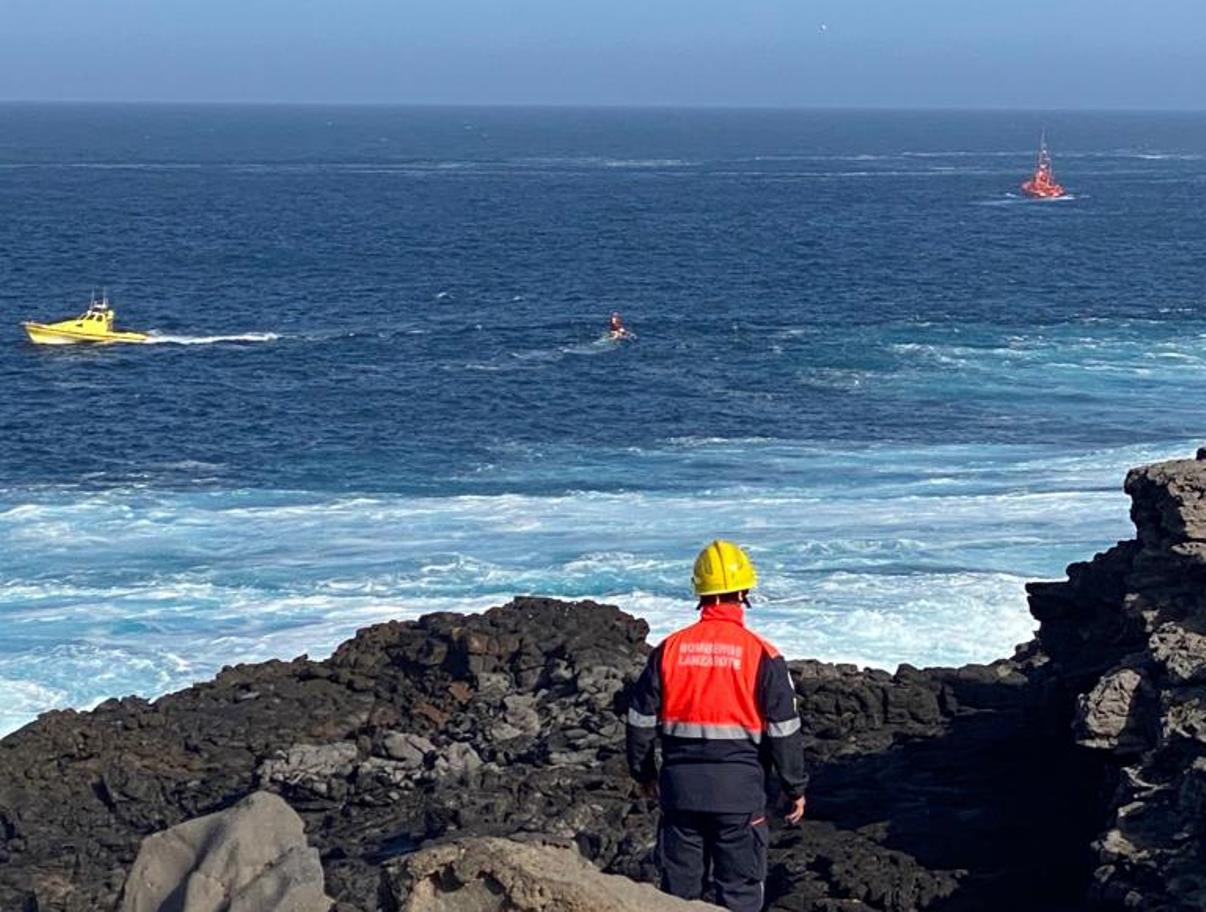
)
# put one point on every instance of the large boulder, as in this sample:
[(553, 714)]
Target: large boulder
[(500, 875), (252, 857)]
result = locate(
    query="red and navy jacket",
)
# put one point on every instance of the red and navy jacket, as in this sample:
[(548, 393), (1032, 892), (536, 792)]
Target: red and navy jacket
[(721, 699)]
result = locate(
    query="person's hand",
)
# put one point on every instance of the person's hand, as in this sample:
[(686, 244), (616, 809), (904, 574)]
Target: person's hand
[(649, 790), (796, 814)]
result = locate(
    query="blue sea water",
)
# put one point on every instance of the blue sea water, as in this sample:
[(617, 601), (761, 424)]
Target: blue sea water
[(379, 386)]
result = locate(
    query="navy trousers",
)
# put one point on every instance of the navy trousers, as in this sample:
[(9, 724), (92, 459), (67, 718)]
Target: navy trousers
[(728, 849)]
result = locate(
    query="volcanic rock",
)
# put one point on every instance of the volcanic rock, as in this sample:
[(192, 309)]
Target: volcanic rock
[(252, 857), (1112, 715), (408, 750), (1125, 640), (1070, 777), (500, 875), (313, 770)]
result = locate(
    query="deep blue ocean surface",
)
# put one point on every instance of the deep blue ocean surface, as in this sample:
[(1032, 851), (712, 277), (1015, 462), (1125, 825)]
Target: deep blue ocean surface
[(380, 386)]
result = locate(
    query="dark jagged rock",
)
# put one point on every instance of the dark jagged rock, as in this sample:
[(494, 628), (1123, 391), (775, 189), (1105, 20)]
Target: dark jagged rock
[(505, 723), (1127, 663), (1070, 777)]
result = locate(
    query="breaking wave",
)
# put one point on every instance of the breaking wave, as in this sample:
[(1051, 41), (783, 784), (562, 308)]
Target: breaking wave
[(877, 557)]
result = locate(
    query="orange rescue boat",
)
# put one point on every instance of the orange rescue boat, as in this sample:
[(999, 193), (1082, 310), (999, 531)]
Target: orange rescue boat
[(1042, 184)]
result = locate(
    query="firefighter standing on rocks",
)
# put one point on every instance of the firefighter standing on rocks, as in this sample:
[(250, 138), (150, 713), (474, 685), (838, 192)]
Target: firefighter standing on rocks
[(721, 700)]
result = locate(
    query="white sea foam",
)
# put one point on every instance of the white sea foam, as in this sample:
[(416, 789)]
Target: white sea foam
[(596, 161), (874, 620), (599, 346), (22, 700), (537, 357), (169, 339), (877, 555)]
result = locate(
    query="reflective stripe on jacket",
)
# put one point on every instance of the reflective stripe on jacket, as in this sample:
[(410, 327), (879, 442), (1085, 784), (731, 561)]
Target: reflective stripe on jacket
[(722, 701)]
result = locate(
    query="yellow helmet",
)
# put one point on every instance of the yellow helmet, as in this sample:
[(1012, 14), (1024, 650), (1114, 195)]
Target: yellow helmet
[(722, 567)]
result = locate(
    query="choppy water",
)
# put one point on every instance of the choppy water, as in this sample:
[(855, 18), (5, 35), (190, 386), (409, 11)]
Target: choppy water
[(380, 389)]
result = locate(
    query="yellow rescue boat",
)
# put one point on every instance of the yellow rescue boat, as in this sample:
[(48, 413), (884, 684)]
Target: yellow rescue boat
[(94, 326)]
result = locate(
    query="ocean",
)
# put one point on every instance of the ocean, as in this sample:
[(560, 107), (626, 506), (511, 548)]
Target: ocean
[(380, 385)]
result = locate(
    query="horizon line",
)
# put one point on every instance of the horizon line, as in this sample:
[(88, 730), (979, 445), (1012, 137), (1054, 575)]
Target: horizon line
[(602, 106)]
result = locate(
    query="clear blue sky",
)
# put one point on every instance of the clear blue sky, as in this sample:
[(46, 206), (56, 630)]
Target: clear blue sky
[(884, 53)]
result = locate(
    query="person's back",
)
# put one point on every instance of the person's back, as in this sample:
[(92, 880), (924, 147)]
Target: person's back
[(711, 723), (721, 700)]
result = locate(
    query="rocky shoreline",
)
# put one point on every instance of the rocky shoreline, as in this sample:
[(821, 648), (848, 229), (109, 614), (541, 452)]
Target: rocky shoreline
[(1071, 776)]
